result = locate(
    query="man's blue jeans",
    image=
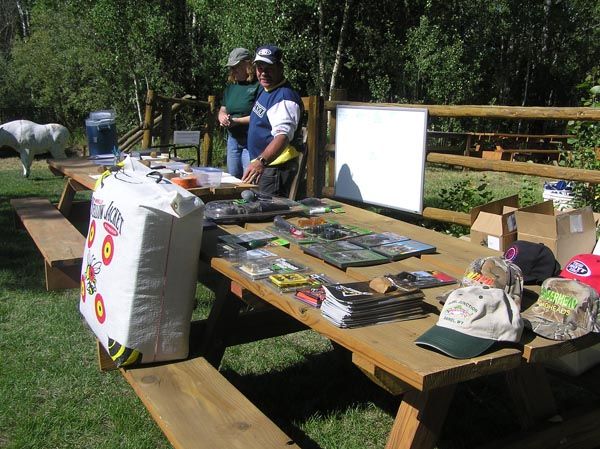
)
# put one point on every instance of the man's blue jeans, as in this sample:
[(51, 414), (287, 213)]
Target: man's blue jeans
[(238, 157)]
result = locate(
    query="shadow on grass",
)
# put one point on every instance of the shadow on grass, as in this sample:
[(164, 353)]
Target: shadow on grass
[(326, 384)]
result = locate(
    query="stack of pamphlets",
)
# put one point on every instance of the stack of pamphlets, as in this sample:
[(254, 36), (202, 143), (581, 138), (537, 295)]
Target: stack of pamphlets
[(355, 304)]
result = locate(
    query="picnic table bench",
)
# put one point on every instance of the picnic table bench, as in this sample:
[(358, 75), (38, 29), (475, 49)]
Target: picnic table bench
[(59, 242), (196, 407)]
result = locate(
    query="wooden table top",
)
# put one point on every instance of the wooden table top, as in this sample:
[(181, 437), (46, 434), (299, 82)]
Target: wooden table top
[(391, 346), (85, 172)]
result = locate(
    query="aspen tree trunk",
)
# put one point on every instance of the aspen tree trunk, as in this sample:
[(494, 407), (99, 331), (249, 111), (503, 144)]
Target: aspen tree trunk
[(24, 18), (321, 45), (340, 46)]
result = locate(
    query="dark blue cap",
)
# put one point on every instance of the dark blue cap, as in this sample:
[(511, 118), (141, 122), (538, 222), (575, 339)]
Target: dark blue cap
[(269, 54)]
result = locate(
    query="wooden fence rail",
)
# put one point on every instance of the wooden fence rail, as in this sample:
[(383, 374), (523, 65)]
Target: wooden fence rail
[(327, 148)]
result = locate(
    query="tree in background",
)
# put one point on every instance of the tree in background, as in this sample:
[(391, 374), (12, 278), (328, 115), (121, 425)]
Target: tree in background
[(76, 56)]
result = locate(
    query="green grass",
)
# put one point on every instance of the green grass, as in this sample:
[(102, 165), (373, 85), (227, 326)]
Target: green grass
[(52, 394)]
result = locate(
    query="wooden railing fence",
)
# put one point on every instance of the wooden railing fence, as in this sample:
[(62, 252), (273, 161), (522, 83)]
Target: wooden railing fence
[(326, 151), (158, 115), (320, 124)]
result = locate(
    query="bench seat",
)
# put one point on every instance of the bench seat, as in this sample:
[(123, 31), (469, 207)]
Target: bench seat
[(196, 407), (59, 242)]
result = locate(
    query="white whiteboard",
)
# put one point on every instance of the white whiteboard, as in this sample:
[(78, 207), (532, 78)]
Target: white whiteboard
[(380, 155)]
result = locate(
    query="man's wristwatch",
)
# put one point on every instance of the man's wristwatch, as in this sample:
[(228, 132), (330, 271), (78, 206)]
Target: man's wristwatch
[(262, 160)]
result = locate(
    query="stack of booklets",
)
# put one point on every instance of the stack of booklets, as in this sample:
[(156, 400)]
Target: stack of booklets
[(355, 304)]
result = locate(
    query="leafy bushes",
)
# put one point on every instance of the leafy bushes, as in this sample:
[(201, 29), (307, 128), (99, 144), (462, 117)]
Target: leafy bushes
[(585, 146)]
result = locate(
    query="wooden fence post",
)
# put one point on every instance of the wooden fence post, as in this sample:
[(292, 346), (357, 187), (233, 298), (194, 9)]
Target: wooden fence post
[(314, 161), (148, 122), (209, 126)]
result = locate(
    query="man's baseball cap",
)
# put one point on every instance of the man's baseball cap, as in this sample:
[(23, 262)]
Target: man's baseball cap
[(565, 309), (236, 56), (536, 261), (472, 320), (269, 54), (584, 268), (493, 271)]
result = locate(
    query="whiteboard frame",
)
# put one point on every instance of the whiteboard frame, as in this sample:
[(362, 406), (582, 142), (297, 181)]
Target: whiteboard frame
[(397, 137)]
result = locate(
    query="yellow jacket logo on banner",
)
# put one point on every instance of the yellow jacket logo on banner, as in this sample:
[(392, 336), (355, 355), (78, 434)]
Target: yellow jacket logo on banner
[(139, 271)]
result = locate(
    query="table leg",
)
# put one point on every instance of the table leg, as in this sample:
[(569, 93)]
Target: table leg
[(420, 418), (66, 198), (220, 323), (531, 394), (468, 144)]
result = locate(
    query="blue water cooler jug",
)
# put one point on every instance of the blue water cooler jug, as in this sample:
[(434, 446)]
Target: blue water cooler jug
[(101, 131)]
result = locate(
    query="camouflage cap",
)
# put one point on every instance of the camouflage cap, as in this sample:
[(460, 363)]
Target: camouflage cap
[(496, 272), (565, 309)]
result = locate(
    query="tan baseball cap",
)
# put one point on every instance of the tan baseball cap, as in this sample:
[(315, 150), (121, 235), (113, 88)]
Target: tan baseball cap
[(472, 320)]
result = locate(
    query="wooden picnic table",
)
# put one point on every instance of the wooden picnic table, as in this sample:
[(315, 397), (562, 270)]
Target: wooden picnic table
[(178, 393), (387, 354), (508, 145), (82, 174)]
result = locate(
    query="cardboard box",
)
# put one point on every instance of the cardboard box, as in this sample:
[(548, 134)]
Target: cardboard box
[(493, 224), (566, 233)]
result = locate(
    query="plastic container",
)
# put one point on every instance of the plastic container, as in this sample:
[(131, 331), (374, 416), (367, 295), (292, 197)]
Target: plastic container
[(101, 131), (208, 176)]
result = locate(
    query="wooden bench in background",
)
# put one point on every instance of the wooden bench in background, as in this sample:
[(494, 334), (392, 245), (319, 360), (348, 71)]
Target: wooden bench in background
[(59, 242)]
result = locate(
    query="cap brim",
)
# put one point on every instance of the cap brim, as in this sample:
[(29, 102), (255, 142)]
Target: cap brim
[(262, 59), (454, 343)]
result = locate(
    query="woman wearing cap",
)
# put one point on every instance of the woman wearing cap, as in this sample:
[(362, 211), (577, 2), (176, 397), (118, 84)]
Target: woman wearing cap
[(234, 114)]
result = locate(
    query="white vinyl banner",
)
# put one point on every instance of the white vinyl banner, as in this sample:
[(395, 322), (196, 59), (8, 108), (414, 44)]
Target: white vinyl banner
[(139, 271)]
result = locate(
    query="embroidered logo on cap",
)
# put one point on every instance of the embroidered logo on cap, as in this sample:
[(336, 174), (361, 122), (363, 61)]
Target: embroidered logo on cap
[(511, 253), (578, 268), (264, 52)]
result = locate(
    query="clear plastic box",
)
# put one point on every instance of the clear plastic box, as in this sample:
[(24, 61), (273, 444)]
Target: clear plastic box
[(208, 176)]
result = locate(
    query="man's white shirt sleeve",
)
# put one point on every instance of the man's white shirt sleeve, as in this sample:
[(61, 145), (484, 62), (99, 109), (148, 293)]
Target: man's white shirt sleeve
[(284, 118)]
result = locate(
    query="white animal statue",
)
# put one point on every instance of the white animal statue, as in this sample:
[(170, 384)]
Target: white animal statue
[(30, 138)]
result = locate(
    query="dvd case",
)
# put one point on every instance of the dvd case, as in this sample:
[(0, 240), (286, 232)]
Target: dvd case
[(382, 238), (258, 269), (354, 258), (403, 249)]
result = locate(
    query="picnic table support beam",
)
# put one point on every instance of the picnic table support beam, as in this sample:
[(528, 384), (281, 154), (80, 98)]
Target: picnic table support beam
[(420, 418), (68, 195), (221, 321), (531, 394)]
